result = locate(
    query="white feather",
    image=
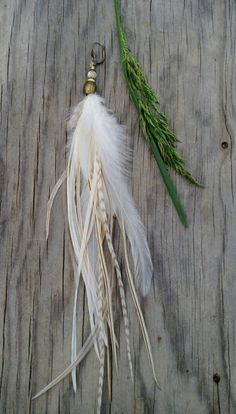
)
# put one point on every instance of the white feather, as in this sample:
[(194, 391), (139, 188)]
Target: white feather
[(97, 189), (97, 125)]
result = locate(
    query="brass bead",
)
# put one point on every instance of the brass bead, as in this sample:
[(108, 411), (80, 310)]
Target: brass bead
[(89, 87)]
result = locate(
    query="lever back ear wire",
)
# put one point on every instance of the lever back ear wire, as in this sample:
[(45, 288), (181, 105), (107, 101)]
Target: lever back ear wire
[(95, 53), (98, 55)]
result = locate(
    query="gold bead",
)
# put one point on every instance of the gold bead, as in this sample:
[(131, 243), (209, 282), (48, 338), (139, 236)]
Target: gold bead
[(89, 87)]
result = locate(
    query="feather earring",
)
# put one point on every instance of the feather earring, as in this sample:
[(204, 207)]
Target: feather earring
[(97, 191)]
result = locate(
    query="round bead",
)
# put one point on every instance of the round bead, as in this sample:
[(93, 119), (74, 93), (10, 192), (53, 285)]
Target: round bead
[(89, 87), (92, 74)]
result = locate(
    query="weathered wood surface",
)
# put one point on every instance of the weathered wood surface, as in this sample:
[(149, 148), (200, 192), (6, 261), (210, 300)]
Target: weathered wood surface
[(188, 51)]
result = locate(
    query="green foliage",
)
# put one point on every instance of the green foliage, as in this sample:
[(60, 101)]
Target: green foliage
[(162, 140)]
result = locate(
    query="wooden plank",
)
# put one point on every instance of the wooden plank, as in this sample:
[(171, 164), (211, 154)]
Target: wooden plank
[(188, 52)]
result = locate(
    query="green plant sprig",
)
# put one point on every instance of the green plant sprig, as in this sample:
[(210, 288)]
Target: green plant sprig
[(161, 139)]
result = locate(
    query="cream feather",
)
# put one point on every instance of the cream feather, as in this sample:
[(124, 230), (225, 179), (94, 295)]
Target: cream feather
[(97, 126), (97, 183)]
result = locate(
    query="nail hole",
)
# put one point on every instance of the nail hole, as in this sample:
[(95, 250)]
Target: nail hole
[(224, 144), (159, 338), (216, 378)]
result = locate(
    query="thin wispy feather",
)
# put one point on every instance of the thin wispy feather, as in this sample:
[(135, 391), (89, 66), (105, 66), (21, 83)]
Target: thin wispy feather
[(156, 130)]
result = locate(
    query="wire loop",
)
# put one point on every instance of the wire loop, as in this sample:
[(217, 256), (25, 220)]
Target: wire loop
[(95, 54)]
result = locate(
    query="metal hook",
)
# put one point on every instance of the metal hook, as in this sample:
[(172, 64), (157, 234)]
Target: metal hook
[(94, 55)]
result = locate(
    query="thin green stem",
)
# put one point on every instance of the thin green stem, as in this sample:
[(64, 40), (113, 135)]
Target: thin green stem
[(161, 139)]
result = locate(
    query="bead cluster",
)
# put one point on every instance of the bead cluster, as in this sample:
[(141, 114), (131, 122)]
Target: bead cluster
[(90, 84)]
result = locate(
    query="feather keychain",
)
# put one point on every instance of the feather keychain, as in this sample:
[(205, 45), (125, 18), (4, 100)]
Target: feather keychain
[(97, 190)]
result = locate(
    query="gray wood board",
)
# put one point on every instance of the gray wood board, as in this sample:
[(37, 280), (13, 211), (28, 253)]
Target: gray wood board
[(187, 49)]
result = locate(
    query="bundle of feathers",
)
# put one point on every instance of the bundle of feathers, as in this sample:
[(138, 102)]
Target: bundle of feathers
[(97, 191)]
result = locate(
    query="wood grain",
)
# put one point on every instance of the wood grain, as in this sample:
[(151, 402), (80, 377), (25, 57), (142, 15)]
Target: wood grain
[(188, 51)]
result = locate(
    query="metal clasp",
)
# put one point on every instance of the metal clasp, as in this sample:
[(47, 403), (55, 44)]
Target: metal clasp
[(98, 56)]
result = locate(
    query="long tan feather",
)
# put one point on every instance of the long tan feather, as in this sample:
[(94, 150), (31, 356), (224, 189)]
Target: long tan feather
[(138, 309)]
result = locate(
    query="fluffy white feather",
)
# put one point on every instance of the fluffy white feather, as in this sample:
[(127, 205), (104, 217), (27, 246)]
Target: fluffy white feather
[(96, 126), (97, 189)]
